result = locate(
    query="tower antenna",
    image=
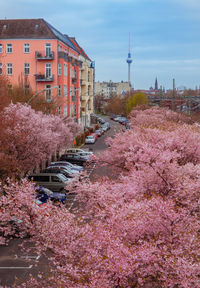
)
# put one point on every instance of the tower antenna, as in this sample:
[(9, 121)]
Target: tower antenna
[(129, 61)]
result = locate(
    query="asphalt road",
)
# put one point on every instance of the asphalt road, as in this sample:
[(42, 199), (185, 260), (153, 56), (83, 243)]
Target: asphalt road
[(100, 146), (15, 263)]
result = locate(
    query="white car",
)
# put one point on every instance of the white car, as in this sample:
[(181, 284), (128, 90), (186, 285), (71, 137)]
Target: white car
[(78, 151), (90, 139)]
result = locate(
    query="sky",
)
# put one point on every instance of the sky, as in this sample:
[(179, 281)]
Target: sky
[(164, 36)]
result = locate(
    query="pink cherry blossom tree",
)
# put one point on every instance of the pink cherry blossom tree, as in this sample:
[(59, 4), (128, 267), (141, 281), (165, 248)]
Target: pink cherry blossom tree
[(140, 230), (27, 137)]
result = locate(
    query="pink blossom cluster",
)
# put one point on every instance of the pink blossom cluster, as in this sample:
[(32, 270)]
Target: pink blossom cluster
[(27, 137)]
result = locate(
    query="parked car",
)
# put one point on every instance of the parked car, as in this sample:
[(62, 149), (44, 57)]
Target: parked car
[(112, 116), (77, 151), (122, 119), (116, 118), (102, 130), (105, 126), (74, 158), (65, 171), (101, 120), (99, 132), (91, 139), (124, 122), (55, 182), (58, 197), (44, 195), (75, 168)]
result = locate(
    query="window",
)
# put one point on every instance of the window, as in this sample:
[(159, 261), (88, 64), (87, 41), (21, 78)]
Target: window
[(55, 179), (48, 70), (26, 68), (1, 68), (59, 110), (74, 112), (66, 68), (48, 93), (9, 69), (71, 91), (26, 48), (1, 48), (59, 69), (48, 49), (9, 48), (40, 178), (59, 90), (65, 90)]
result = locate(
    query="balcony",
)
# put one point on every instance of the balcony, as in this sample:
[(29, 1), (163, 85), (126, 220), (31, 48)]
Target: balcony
[(74, 99), (84, 97), (83, 82), (74, 80), (42, 56), (63, 55), (44, 78)]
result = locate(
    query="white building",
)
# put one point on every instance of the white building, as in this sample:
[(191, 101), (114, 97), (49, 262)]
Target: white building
[(108, 89)]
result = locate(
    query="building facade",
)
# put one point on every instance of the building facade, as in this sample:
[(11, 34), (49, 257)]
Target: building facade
[(87, 77), (34, 52), (108, 89)]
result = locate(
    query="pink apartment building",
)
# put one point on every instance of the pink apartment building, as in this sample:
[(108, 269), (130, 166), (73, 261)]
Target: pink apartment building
[(48, 60)]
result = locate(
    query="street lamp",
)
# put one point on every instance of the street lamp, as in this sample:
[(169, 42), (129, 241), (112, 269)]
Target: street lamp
[(45, 89)]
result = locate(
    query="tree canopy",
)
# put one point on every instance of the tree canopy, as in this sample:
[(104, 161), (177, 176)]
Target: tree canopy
[(27, 136), (135, 100), (139, 230)]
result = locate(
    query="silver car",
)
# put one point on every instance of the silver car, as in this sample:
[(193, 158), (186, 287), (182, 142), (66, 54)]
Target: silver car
[(54, 182)]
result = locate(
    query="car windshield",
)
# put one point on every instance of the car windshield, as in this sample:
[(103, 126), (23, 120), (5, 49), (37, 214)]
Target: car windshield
[(62, 177), (90, 137)]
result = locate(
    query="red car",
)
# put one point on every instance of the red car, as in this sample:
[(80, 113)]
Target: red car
[(95, 136)]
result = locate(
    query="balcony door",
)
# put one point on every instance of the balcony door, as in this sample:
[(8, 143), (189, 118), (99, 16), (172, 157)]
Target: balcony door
[(47, 49), (48, 70)]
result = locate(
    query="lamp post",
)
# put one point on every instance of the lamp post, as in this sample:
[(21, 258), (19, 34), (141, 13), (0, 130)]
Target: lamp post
[(36, 94)]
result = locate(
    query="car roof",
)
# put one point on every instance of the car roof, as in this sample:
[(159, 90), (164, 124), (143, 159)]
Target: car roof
[(46, 174), (92, 134)]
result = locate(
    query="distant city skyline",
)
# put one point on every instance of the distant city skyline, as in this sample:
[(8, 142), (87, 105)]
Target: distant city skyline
[(165, 40)]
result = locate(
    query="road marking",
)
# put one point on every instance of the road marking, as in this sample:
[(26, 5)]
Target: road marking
[(14, 267), (29, 257)]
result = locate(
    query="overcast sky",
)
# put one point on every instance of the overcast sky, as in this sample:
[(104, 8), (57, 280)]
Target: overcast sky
[(165, 35)]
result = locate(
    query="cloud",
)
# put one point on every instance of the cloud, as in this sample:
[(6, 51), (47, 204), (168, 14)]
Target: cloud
[(173, 62)]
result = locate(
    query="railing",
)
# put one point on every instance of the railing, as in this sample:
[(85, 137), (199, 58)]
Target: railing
[(44, 78), (74, 99), (41, 55), (63, 55), (74, 80)]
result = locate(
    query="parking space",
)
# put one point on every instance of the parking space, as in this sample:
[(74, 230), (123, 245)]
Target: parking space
[(16, 264)]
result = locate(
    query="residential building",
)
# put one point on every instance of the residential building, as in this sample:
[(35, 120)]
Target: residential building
[(87, 77), (34, 51), (108, 89)]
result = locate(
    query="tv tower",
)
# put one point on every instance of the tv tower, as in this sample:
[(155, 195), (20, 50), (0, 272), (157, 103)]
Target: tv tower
[(129, 61)]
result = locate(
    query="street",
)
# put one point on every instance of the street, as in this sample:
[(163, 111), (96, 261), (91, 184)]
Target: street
[(15, 263)]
